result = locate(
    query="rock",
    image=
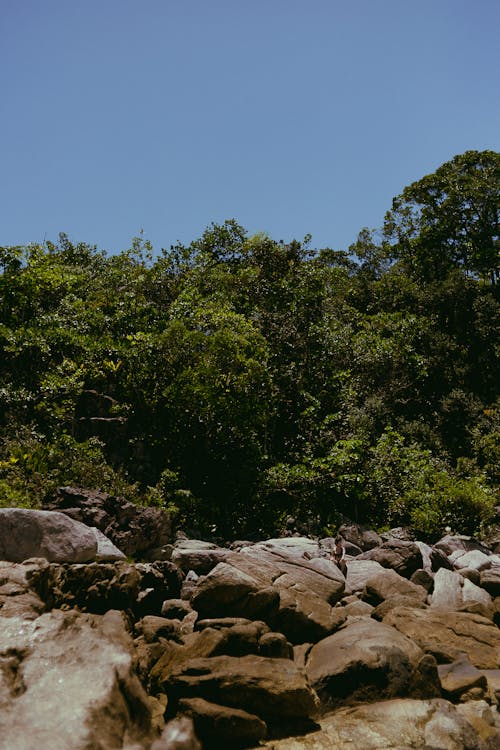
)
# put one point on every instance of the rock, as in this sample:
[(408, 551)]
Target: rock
[(490, 580), (40, 533), (358, 609), (359, 571), (449, 635), (401, 724), (106, 550), (178, 734), (364, 539), (273, 689), (474, 559), (154, 627), (403, 557), (196, 555), (18, 597), (472, 575), (227, 591), (176, 609), (449, 543), (69, 683), (473, 593), (393, 602), (447, 592), (292, 594), (459, 677), (365, 660), (275, 646), (133, 529), (222, 726), (388, 584), (423, 578)]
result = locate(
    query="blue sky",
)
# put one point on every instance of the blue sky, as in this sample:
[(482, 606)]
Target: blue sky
[(291, 116)]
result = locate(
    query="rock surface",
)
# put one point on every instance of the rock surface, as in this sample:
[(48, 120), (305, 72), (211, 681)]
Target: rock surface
[(40, 533)]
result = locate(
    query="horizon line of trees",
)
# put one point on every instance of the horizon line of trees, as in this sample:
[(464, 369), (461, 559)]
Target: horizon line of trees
[(239, 380)]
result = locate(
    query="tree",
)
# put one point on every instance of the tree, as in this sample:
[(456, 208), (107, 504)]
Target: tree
[(449, 219)]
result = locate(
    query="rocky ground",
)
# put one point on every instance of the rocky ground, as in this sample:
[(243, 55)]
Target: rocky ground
[(255, 644)]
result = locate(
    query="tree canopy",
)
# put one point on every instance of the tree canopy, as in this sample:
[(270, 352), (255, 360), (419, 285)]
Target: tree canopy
[(239, 380)]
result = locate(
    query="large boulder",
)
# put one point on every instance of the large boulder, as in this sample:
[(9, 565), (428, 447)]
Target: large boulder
[(69, 683), (388, 584), (358, 535), (40, 533), (273, 581), (197, 555), (402, 556), (133, 529), (221, 726), (367, 660), (360, 571), (273, 689), (449, 635), (401, 724)]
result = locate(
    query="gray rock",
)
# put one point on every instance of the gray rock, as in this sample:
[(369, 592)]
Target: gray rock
[(474, 559), (360, 571), (363, 538), (452, 542), (447, 592), (106, 550), (69, 683), (41, 533)]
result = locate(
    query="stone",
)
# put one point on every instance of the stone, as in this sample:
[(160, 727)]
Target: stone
[(401, 724), (106, 550), (176, 609), (447, 592), (69, 683), (393, 602), (359, 571), (403, 557), (358, 609), (19, 584), (452, 542), (274, 582), (132, 528), (223, 726), (490, 580), (423, 578), (448, 635), (474, 559), (275, 646), (40, 533), (459, 677), (388, 584), (194, 554), (365, 660), (153, 628), (363, 538), (273, 689)]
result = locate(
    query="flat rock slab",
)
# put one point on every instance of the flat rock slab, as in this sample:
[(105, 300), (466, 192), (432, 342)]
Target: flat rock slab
[(68, 682), (42, 533), (401, 724), (449, 635)]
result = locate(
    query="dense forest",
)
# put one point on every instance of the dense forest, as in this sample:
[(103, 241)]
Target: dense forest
[(242, 379)]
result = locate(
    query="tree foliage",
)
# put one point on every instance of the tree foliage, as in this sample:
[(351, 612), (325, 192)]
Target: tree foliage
[(238, 380)]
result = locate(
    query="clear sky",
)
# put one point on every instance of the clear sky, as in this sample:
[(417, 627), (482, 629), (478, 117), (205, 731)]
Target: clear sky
[(291, 116)]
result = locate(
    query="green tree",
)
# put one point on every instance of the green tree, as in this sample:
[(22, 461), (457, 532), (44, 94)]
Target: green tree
[(449, 219)]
